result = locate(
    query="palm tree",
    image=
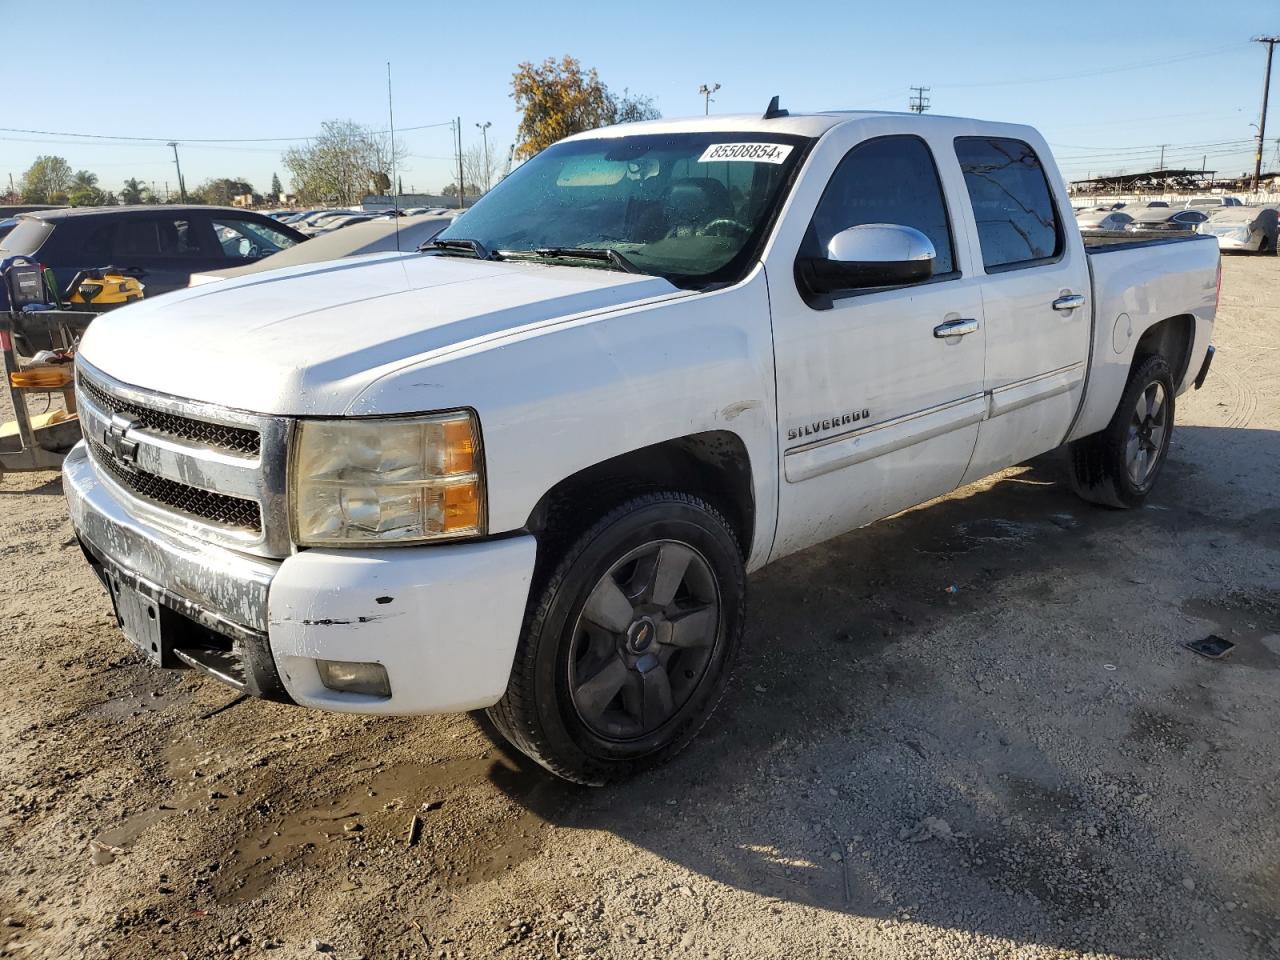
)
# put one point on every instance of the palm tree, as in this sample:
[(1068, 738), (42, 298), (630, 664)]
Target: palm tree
[(131, 191), (83, 180)]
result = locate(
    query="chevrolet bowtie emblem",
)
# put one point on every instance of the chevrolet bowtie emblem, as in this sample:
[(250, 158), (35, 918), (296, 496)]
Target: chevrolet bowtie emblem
[(115, 439)]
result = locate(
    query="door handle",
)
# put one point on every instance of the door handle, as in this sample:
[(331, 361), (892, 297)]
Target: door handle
[(955, 328), (1069, 302)]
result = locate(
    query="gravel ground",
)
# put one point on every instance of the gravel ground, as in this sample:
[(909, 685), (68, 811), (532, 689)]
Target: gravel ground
[(1029, 766)]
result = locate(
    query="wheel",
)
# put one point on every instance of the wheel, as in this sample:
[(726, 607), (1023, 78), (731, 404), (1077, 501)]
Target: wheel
[(1118, 466), (628, 642)]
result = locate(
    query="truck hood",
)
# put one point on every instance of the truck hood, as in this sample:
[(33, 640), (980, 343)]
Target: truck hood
[(307, 340)]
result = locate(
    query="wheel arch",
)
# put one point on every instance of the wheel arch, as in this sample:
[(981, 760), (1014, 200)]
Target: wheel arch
[(713, 464), (1171, 338)]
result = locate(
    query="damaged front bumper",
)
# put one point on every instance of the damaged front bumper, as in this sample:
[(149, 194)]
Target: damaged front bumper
[(442, 620)]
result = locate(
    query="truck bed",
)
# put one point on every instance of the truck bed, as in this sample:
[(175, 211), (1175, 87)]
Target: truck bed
[(1104, 241)]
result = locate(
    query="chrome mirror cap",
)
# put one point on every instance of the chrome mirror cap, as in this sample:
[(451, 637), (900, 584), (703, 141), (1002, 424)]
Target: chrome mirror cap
[(880, 243)]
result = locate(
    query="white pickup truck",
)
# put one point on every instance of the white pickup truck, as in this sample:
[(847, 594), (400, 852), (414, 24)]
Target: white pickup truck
[(529, 468)]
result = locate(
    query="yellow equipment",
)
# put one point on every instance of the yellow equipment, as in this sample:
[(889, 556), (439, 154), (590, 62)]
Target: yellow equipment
[(95, 290)]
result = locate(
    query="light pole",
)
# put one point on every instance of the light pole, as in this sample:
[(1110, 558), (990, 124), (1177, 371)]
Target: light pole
[(706, 96), (484, 135), (182, 187), (1262, 120)]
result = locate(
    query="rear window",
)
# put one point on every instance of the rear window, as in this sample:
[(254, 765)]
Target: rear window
[(27, 237), (1016, 219)]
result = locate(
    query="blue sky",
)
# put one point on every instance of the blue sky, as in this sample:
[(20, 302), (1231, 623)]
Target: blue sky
[(1106, 82)]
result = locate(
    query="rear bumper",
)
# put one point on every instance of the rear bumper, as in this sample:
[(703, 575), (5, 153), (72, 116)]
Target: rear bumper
[(442, 620)]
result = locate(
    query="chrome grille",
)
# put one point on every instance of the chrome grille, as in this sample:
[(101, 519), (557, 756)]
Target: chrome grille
[(211, 507), (217, 435), (207, 471)]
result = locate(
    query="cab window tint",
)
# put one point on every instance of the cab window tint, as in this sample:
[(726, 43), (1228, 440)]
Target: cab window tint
[(156, 237), (1012, 203), (888, 180)]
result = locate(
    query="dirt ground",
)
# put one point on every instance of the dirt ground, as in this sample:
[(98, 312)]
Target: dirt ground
[(1029, 766)]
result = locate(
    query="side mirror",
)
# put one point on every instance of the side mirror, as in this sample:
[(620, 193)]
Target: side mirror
[(870, 255)]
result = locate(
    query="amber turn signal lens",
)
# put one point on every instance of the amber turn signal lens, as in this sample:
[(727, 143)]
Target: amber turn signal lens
[(459, 446), (462, 507)]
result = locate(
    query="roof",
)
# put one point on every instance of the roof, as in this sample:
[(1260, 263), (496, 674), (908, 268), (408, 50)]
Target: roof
[(798, 124), (65, 213)]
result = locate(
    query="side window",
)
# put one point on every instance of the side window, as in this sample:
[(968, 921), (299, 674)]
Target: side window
[(248, 239), (1012, 204), (156, 237), (97, 246), (888, 180)]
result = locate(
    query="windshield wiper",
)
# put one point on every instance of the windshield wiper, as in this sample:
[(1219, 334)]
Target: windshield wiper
[(477, 249), (606, 254)]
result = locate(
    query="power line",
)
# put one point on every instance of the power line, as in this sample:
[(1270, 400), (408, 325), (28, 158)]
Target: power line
[(1097, 73), (188, 140)]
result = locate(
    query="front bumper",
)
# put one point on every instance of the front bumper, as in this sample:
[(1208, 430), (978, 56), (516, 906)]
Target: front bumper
[(443, 620)]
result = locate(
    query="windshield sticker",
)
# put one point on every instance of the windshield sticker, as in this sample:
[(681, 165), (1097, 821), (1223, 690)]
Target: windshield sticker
[(750, 152)]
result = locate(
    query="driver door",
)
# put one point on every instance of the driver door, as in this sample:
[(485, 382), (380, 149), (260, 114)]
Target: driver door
[(877, 410)]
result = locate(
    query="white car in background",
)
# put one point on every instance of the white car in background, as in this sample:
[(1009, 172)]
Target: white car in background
[(1213, 202), (1091, 221), (376, 236), (1245, 229)]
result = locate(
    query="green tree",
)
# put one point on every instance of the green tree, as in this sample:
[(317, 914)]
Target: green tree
[(46, 180), (131, 191), (558, 98), (276, 188), (220, 191)]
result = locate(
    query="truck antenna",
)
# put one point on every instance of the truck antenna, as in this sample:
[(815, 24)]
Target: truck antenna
[(773, 110), (395, 180)]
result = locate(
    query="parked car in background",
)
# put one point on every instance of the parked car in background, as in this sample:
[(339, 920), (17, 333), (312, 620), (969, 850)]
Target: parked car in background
[(322, 221), (376, 236), (314, 218), (1097, 220), (1166, 219), (297, 216), (1213, 202), (1245, 229), (160, 245), (338, 223)]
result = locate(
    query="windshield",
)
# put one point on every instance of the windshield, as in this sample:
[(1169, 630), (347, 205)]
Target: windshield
[(691, 207)]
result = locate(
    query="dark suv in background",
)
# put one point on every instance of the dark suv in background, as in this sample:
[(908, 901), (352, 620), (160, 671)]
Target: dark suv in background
[(160, 245)]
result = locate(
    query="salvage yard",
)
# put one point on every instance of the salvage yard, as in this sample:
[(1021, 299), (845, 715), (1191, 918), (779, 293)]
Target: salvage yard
[(968, 731)]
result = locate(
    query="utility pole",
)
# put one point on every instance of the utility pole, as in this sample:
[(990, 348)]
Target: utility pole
[(484, 135), (11, 184), (182, 187), (1262, 121), (1162, 146), (919, 103), (706, 92), (457, 129)]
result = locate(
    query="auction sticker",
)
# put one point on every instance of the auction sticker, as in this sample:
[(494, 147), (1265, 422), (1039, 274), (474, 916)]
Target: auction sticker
[(750, 152)]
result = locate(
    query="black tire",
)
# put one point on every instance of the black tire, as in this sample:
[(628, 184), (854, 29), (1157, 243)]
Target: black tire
[(539, 713), (1100, 465)]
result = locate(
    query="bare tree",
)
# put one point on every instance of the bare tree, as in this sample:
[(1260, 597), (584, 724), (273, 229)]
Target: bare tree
[(344, 162), (478, 170)]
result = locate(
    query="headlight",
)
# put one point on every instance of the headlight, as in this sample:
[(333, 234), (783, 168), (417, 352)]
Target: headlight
[(357, 482)]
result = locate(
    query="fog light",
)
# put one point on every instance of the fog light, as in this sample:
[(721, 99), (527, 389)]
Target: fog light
[(348, 676)]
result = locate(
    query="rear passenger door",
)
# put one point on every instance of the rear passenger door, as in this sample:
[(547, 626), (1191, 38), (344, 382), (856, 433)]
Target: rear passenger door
[(161, 249), (1035, 301)]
